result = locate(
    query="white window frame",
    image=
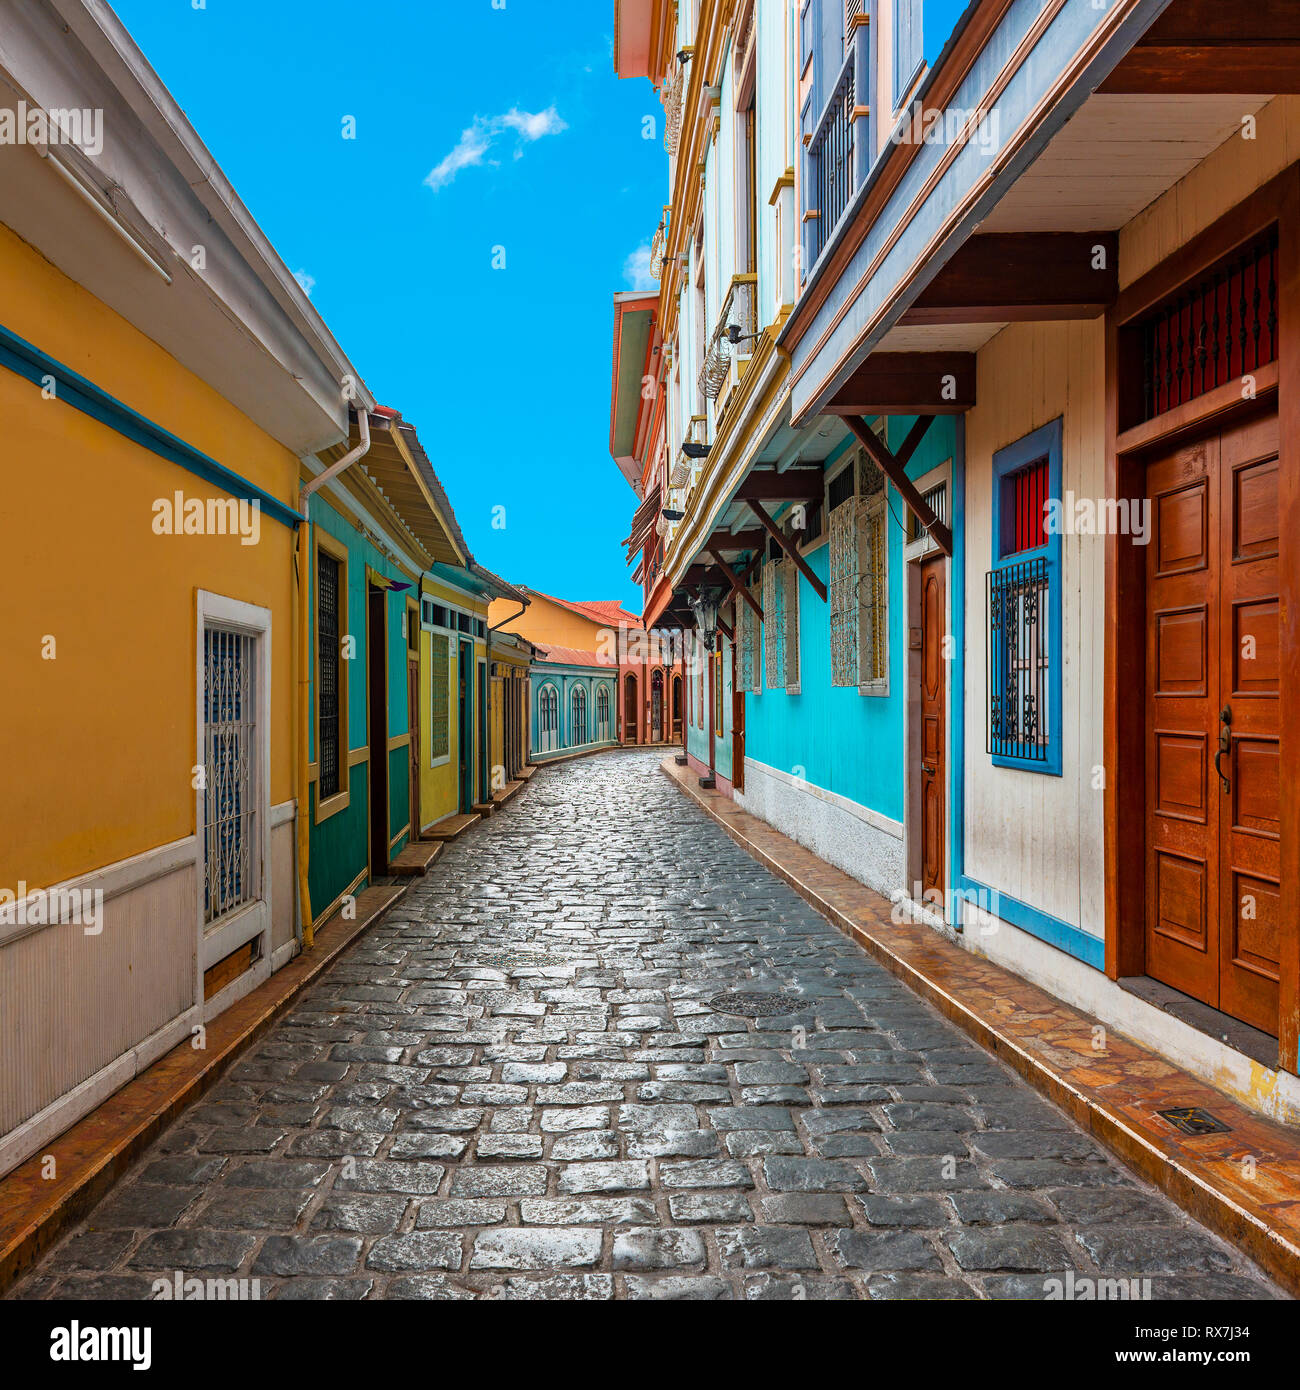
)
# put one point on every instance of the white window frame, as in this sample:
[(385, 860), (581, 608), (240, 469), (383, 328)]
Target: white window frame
[(253, 919)]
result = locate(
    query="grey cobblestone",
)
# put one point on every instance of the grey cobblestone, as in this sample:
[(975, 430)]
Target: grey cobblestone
[(515, 1087)]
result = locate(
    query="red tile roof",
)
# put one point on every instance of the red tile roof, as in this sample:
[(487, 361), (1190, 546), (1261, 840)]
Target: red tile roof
[(573, 656), (606, 611)]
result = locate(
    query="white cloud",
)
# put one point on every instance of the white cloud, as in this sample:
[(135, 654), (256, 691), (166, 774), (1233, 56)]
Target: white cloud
[(308, 282), (477, 140), (636, 269)]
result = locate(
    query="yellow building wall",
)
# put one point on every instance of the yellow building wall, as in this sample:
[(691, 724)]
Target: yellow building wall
[(98, 745), (549, 624), (440, 785)]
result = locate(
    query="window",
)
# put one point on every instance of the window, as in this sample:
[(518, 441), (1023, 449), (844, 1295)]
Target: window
[(603, 730), (790, 626), (548, 719), (1023, 639), (231, 734), (859, 578), (578, 702), (748, 635), (435, 614), (773, 607), (330, 596), (439, 698)]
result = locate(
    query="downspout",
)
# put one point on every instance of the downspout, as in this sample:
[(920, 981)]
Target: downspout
[(304, 666)]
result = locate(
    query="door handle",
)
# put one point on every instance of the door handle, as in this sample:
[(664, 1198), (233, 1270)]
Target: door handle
[(1225, 745), (928, 767)]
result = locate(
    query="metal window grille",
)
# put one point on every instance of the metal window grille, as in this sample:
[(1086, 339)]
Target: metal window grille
[(329, 776), (1221, 326), (602, 713), (830, 159), (790, 624), (439, 695), (749, 635), (872, 590), (936, 498), (1017, 660), (230, 733), (844, 584), (774, 624), (579, 702)]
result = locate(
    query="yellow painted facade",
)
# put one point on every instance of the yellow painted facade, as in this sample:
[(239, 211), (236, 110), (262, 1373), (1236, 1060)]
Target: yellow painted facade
[(547, 623), (440, 779), (99, 741)]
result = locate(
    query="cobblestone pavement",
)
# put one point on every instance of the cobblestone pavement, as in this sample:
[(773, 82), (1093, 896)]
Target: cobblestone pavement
[(537, 1079)]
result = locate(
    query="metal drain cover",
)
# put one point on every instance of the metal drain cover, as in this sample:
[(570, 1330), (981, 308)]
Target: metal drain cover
[(752, 1005), (1193, 1119)]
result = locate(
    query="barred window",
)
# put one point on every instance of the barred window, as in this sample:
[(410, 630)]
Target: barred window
[(748, 671), (790, 625), (774, 624), (1022, 642), (602, 713), (439, 696), (329, 780), (859, 581), (579, 706)]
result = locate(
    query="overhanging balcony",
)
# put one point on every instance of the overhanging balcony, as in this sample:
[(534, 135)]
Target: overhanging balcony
[(738, 314)]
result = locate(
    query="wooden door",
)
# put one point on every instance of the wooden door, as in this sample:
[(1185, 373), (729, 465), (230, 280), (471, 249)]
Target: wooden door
[(465, 726), (1213, 773), (377, 723), (933, 769), (737, 726)]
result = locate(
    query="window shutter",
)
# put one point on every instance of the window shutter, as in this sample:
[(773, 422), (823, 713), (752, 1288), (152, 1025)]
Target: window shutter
[(439, 695), (844, 600), (873, 590), (790, 625), (773, 637)]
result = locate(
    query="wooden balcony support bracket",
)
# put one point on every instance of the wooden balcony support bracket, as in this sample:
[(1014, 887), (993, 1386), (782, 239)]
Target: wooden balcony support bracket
[(893, 466), (725, 630), (737, 588), (788, 546)]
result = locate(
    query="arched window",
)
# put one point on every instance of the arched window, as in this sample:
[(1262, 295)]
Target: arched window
[(579, 709), (603, 729), (548, 719)]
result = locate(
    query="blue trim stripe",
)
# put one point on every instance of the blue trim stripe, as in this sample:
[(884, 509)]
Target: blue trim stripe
[(35, 366)]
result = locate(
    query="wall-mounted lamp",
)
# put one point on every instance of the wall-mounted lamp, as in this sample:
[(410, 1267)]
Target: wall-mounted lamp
[(693, 450), (705, 607), (734, 335), (672, 514)]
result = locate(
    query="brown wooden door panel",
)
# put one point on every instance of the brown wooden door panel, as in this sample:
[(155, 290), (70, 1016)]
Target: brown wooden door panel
[(1251, 859), (933, 769), (1182, 944), (1213, 902)]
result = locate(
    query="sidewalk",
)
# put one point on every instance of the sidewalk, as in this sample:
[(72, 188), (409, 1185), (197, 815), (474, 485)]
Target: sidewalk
[(1243, 1183)]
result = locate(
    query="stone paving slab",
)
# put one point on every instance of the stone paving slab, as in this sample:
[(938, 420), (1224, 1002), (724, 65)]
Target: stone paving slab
[(527, 1082)]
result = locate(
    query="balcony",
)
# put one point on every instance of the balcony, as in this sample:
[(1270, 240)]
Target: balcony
[(697, 432), (673, 92), (738, 312), (657, 246), (831, 163)]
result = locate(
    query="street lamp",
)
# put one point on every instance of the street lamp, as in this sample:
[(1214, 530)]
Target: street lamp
[(705, 607)]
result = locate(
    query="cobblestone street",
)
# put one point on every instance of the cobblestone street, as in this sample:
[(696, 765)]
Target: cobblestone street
[(600, 1052)]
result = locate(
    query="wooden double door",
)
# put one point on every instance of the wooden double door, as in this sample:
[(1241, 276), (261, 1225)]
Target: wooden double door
[(1213, 770)]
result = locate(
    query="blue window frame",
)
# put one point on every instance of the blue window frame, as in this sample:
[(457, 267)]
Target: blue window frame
[(1023, 641)]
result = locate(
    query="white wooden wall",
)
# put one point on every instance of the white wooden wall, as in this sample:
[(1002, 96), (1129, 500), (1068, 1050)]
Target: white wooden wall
[(1033, 836)]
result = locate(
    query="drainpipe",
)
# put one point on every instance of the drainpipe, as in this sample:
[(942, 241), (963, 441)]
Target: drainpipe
[(304, 666)]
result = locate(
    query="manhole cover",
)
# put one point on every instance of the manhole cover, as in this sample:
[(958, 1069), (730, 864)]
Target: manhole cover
[(1192, 1119), (752, 1005)]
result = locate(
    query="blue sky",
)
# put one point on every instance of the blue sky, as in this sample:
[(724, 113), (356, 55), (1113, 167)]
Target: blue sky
[(538, 149)]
